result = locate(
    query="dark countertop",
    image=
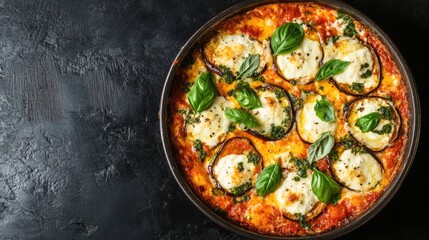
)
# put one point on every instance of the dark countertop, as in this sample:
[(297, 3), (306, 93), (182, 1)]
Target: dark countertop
[(80, 84)]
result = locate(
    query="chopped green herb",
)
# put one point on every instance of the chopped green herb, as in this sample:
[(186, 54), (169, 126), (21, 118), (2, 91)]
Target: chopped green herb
[(240, 189), (302, 165), (277, 132), (363, 66), (240, 166), (301, 219), (358, 150), (386, 112), (259, 78), (349, 30), (231, 128), (199, 148), (386, 129), (332, 39), (241, 199), (227, 75), (187, 87), (358, 87), (296, 101), (321, 88), (333, 155), (279, 93), (296, 178), (253, 158), (189, 116), (366, 74), (348, 141)]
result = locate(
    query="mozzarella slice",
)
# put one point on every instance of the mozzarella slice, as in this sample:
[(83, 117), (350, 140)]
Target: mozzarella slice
[(211, 126), (231, 50), (302, 64), (296, 196), (359, 172), (372, 140), (274, 113), (233, 171), (362, 59), (309, 126)]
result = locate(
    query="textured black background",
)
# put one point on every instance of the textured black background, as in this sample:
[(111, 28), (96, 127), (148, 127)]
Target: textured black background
[(80, 84)]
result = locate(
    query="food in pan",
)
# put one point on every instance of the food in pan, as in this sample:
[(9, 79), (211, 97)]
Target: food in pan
[(291, 119)]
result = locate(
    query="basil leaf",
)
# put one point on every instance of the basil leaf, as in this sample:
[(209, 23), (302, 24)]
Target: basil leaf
[(249, 66), (325, 189), (241, 116), (287, 38), (368, 122), (268, 180), (324, 110), (203, 92), (321, 147), (331, 68), (247, 98)]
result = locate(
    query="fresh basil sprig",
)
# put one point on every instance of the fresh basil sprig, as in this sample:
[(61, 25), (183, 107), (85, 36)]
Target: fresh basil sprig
[(203, 92), (287, 38), (331, 68), (324, 110), (324, 187), (249, 66), (241, 116), (268, 180), (321, 147), (247, 98), (368, 122)]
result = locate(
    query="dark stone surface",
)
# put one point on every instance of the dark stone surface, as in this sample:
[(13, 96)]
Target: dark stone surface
[(80, 84)]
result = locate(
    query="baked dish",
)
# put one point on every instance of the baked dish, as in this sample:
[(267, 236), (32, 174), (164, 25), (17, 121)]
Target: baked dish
[(290, 119)]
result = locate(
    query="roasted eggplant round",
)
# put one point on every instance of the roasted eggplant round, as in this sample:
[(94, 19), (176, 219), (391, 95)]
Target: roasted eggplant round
[(236, 166), (308, 124), (275, 117), (373, 121), (302, 64), (363, 74), (356, 168), (225, 53)]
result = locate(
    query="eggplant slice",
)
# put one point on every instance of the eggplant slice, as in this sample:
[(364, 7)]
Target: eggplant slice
[(357, 169), (275, 115), (375, 140), (363, 75), (236, 166), (211, 125), (296, 197), (308, 125), (226, 51), (302, 64)]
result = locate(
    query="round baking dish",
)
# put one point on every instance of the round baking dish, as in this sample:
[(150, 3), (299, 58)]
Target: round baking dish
[(413, 133)]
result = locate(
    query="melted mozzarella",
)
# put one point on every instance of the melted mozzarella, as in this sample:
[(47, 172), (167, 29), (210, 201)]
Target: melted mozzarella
[(296, 196), (371, 139), (232, 50), (350, 49), (272, 112), (227, 173), (211, 125), (310, 126), (359, 172), (303, 63)]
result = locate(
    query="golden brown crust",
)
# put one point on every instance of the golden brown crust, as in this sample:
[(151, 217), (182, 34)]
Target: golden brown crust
[(257, 213)]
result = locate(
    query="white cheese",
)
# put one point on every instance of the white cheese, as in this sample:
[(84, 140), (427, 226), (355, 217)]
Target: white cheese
[(303, 63), (350, 49), (272, 112), (232, 50), (296, 196), (359, 172), (310, 126), (371, 139), (227, 173), (211, 126)]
